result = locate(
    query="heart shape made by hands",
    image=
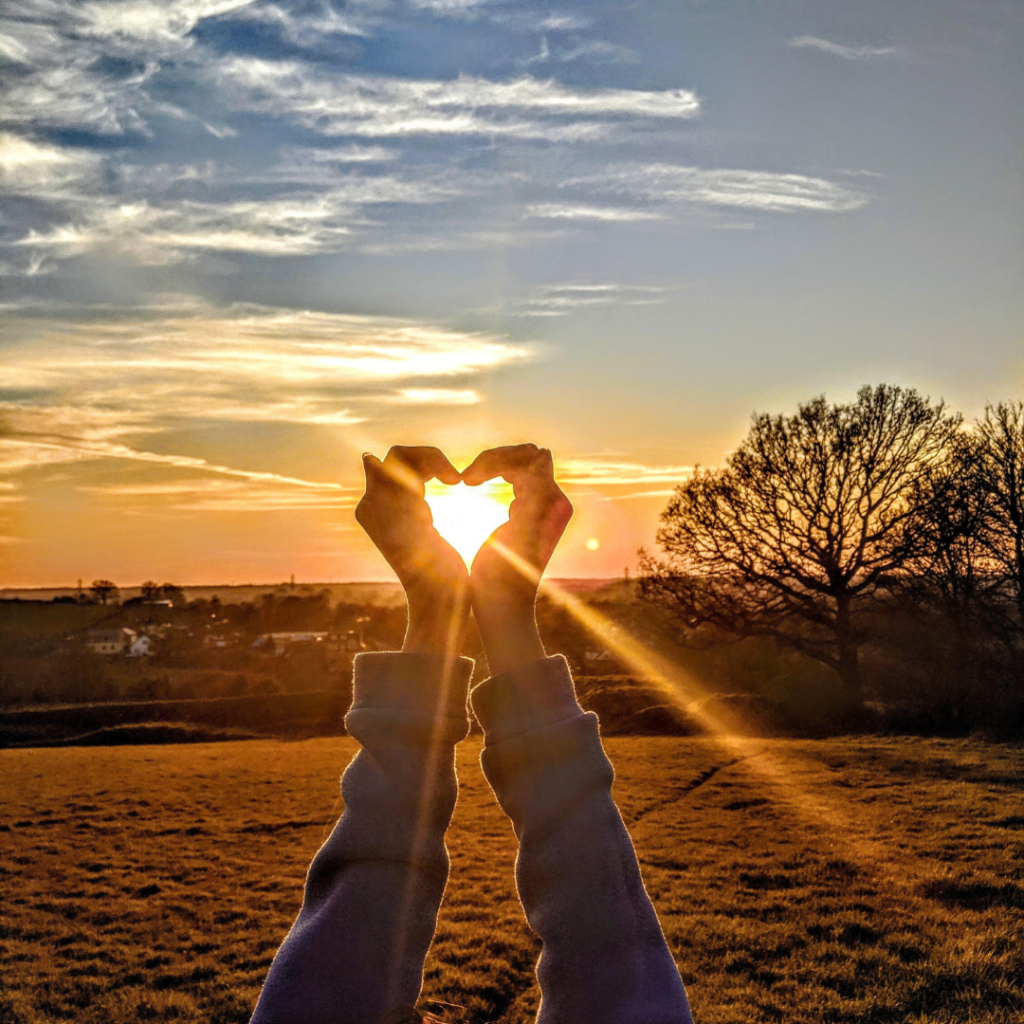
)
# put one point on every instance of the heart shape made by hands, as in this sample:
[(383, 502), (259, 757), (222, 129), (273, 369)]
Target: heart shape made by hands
[(467, 516)]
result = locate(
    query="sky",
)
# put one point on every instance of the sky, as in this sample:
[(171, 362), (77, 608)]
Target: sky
[(243, 241)]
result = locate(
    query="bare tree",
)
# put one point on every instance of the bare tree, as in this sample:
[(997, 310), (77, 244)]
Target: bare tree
[(1001, 433), (953, 567), (952, 589), (104, 590), (810, 517)]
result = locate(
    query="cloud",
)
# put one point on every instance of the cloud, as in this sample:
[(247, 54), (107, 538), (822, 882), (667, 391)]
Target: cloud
[(88, 383), (450, 8), (570, 211), (206, 494), (594, 51), (838, 50), (563, 299), (142, 20), (56, 448), (91, 66), (92, 378), (382, 106), (564, 23), (100, 66), (439, 396), (744, 189), (154, 235), (316, 203), (604, 471), (305, 28), (43, 171)]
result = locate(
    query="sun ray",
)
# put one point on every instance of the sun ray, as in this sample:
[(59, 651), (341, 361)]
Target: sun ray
[(422, 826), (736, 736)]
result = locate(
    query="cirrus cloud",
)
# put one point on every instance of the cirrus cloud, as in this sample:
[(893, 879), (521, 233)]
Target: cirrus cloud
[(382, 106), (100, 375)]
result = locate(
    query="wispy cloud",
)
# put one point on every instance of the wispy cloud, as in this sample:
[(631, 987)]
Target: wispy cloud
[(212, 494), (594, 51), (450, 8), (564, 23), (302, 27), (381, 106), (608, 471), (43, 171), (439, 396), (16, 451), (94, 378), (311, 201), (577, 211), (92, 383), (744, 189), (839, 50), (562, 299), (90, 66)]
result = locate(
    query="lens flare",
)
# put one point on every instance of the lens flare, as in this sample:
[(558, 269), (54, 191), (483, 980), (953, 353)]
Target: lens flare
[(467, 516)]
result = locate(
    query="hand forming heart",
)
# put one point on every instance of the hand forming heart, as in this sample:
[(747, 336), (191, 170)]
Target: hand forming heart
[(502, 584)]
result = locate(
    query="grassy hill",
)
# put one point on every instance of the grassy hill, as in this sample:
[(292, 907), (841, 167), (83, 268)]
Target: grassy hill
[(861, 881)]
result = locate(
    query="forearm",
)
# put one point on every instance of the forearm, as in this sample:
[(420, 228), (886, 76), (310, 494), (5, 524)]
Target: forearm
[(508, 630), (373, 890), (604, 958)]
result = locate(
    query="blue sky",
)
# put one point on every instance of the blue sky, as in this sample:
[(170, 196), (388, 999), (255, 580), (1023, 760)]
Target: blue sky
[(243, 241)]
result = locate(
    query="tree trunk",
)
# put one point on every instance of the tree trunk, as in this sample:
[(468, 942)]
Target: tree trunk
[(849, 673), (849, 655)]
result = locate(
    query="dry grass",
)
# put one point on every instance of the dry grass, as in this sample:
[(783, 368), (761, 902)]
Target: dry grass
[(859, 880)]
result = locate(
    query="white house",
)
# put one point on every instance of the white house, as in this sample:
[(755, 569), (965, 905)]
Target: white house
[(109, 641), (142, 647)]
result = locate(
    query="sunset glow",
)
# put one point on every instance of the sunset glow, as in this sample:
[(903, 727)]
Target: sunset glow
[(467, 516), (296, 236)]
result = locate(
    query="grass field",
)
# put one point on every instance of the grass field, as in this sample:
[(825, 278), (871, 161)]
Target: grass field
[(865, 880)]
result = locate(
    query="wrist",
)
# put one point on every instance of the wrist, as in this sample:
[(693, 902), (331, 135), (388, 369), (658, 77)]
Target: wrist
[(509, 634), (437, 623)]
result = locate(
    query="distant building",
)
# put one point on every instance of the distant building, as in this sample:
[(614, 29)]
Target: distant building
[(217, 643), (280, 642), (599, 662), (336, 644), (109, 641), (142, 647)]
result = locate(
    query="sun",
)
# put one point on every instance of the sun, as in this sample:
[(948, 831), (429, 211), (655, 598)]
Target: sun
[(467, 516)]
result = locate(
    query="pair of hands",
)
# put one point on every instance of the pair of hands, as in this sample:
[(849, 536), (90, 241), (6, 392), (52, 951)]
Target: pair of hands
[(501, 586)]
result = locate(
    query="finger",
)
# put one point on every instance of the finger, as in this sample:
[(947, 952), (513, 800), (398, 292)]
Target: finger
[(414, 465), (543, 465), (511, 459), (373, 468)]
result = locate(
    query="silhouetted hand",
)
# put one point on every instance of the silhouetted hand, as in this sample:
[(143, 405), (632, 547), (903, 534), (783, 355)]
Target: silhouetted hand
[(507, 569), (397, 519)]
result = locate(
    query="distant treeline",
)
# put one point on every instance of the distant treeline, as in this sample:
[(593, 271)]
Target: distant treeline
[(854, 565)]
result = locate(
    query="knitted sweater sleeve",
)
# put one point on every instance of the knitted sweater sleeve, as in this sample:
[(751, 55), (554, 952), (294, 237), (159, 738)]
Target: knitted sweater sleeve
[(372, 893), (604, 958)]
